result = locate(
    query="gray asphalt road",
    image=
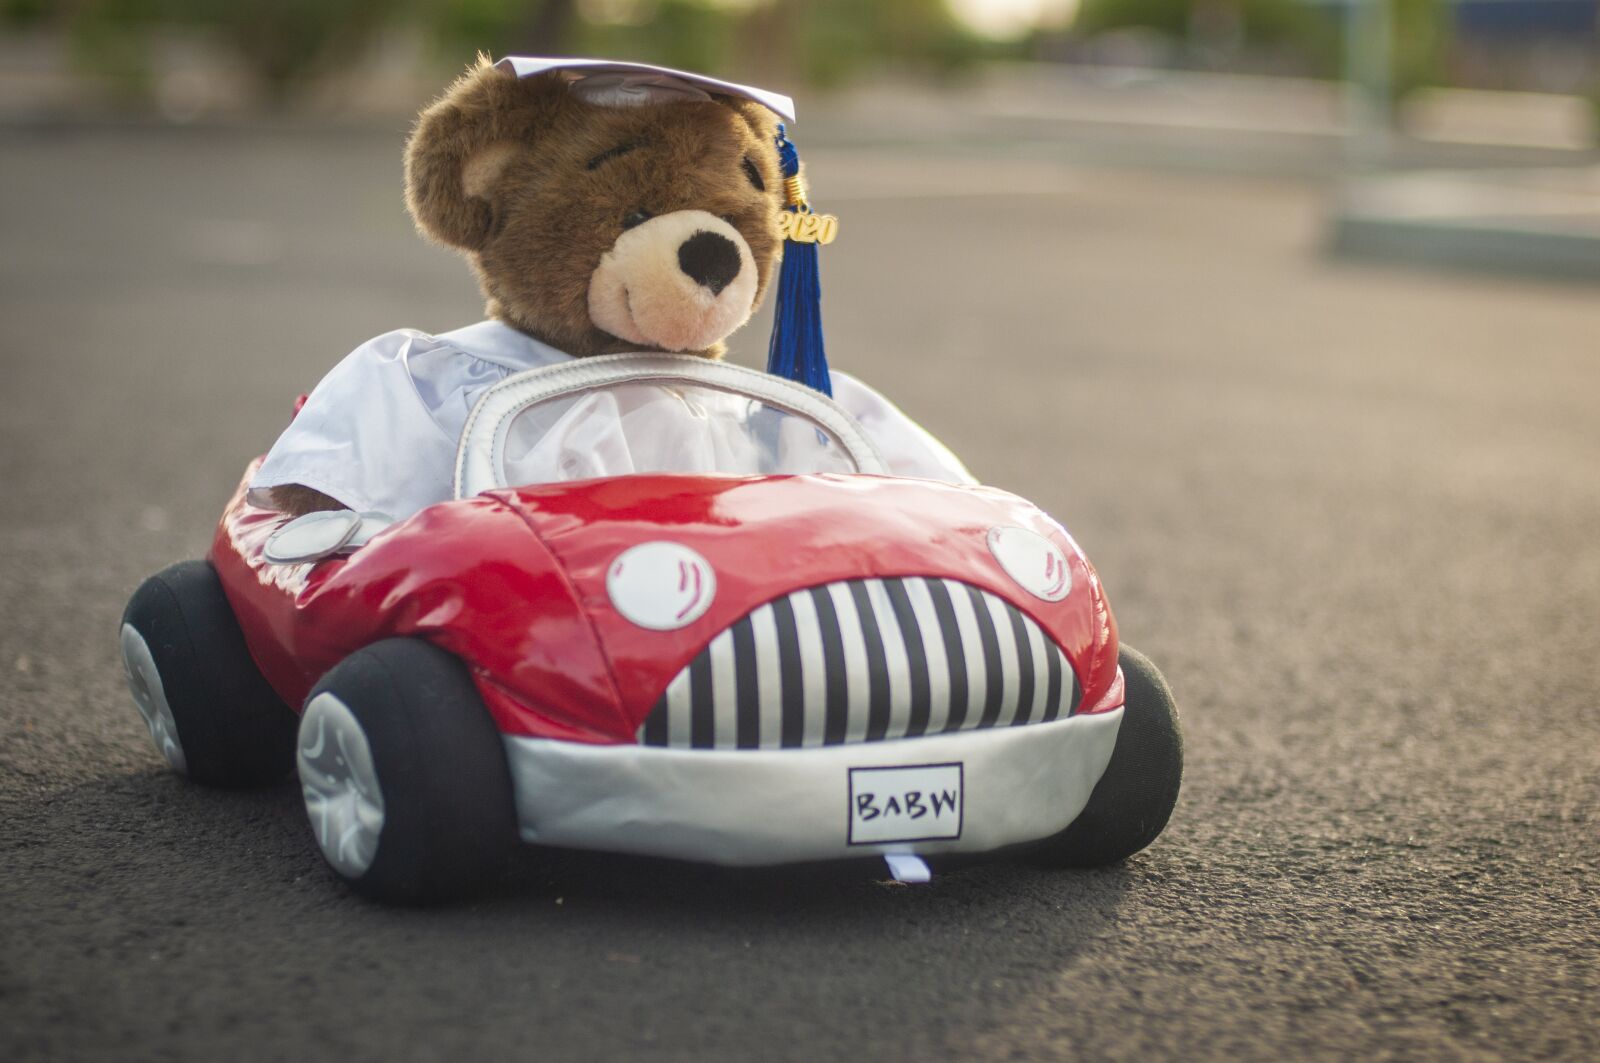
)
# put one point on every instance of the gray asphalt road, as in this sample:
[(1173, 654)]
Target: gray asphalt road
[(1351, 512)]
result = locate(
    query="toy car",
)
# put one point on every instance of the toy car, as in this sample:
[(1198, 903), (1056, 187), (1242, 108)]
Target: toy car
[(749, 648)]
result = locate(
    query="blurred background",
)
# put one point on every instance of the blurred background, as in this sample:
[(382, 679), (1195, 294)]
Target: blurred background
[(1287, 308), (1351, 90), (189, 58)]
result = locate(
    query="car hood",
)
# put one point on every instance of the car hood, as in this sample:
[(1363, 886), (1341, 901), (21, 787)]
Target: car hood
[(514, 582), (767, 536)]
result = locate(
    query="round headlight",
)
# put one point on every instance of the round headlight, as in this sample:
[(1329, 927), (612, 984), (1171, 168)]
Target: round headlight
[(661, 585), (1037, 564)]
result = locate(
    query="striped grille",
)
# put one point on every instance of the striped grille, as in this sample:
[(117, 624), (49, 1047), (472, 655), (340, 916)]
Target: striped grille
[(862, 661)]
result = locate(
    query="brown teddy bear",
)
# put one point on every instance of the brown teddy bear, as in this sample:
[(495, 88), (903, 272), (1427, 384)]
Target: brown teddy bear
[(604, 208), (600, 228)]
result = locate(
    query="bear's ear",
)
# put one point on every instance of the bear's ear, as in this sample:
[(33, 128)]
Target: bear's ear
[(462, 144)]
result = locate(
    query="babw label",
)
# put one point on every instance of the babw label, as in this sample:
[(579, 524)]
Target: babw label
[(914, 803)]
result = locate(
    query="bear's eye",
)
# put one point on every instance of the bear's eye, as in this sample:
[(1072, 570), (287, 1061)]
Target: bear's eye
[(635, 217), (754, 174), (611, 153)]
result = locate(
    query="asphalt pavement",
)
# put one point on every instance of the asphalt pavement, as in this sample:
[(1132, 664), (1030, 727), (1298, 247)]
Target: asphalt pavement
[(1350, 511)]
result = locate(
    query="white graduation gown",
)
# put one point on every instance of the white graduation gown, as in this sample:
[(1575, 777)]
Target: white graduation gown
[(380, 432)]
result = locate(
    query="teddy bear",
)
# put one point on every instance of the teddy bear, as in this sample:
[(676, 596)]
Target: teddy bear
[(604, 208)]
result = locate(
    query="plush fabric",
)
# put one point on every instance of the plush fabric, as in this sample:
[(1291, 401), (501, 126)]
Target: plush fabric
[(537, 187)]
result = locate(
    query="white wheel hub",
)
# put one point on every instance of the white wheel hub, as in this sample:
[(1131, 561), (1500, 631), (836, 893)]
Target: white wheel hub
[(340, 785), (145, 682)]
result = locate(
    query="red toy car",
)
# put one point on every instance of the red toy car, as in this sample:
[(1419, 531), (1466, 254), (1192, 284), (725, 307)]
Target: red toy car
[(757, 665)]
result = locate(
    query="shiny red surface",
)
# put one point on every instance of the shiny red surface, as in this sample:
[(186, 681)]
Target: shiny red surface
[(513, 582)]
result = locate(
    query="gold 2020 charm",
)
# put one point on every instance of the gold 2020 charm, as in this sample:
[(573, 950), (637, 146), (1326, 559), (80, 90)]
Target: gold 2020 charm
[(804, 227)]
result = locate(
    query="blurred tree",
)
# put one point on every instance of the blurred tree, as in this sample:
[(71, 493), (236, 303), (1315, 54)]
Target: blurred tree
[(282, 43), (25, 12), (1291, 22), (831, 41), (689, 34), (109, 38), (1272, 35), (1420, 31), (844, 37), (500, 27), (549, 26), (287, 42)]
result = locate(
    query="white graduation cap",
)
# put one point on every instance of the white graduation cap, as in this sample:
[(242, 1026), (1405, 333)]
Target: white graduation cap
[(617, 84)]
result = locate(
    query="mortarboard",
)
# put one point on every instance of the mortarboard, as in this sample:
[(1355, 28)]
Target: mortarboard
[(644, 74)]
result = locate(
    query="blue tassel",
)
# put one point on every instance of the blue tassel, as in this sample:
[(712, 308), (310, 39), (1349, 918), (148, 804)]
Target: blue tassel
[(796, 350)]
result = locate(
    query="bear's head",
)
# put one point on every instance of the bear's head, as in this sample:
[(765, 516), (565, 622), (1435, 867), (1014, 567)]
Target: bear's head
[(600, 228)]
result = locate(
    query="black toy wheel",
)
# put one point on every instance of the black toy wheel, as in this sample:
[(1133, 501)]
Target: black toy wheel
[(404, 774), (1134, 798), (209, 710)]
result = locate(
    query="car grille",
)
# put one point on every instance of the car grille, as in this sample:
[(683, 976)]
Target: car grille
[(863, 661)]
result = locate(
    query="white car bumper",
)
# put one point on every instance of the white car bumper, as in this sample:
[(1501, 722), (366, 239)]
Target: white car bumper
[(969, 791)]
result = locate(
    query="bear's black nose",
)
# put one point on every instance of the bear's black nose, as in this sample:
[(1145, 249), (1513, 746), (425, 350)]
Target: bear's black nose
[(711, 259)]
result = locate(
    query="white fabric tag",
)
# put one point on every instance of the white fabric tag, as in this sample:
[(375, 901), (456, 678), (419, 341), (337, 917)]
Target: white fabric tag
[(908, 867)]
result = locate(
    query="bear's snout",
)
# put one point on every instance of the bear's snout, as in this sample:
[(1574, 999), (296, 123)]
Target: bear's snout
[(710, 259), (680, 281)]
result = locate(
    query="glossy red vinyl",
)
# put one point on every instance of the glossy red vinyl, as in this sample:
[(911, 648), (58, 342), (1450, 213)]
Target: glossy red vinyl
[(514, 582)]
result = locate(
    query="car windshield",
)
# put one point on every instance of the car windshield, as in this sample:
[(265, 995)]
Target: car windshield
[(655, 426)]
